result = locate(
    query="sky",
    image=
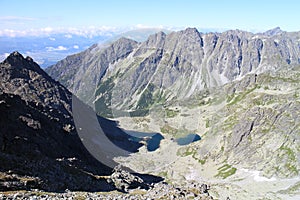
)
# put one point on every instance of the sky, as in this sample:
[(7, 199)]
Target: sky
[(28, 16)]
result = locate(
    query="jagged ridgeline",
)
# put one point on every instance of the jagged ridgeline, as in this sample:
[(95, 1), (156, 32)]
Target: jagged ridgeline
[(238, 90), (132, 76)]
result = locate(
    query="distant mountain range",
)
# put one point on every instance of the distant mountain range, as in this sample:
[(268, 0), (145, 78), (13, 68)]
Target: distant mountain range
[(47, 48), (167, 66)]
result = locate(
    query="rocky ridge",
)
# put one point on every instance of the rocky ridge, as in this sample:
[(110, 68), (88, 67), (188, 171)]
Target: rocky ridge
[(39, 144), (171, 66), (40, 147)]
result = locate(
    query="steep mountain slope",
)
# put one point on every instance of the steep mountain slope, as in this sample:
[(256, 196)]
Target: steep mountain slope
[(40, 147), (177, 65), (249, 138), (239, 91), (259, 124), (95, 60)]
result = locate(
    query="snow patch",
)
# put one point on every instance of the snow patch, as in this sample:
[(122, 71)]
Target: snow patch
[(257, 177), (276, 40)]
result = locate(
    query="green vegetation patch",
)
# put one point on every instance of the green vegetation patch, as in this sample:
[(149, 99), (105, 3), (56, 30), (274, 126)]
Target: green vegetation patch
[(290, 163), (103, 103), (167, 129), (183, 152), (225, 171), (230, 122), (235, 99), (159, 97), (171, 113), (207, 123), (289, 152), (146, 99)]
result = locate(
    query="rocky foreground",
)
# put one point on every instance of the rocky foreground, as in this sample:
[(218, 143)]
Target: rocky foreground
[(129, 186), (159, 191)]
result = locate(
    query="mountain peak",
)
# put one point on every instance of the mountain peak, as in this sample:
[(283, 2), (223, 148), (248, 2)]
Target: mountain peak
[(16, 53), (14, 56), (124, 43), (156, 39), (28, 58), (274, 31), (190, 35), (191, 31), (17, 60)]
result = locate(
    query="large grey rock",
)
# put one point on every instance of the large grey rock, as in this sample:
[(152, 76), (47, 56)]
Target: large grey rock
[(123, 180)]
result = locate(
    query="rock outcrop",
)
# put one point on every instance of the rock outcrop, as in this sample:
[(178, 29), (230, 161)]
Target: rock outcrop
[(123, 180)]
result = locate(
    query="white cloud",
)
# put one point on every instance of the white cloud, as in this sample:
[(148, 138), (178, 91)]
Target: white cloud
[(52, 39), (142, 26), (47, 29), (59, 48), (76, 47), (68, 32), (16, 18), (68, 36), (3, 56)]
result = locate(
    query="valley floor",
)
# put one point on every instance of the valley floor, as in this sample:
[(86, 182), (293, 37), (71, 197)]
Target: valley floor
[(179, 166)]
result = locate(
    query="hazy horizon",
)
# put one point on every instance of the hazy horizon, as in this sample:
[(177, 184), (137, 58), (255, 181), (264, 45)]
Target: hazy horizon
[(34, 18)]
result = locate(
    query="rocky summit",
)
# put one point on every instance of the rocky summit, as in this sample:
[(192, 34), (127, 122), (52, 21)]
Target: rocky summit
[(237, 91)]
